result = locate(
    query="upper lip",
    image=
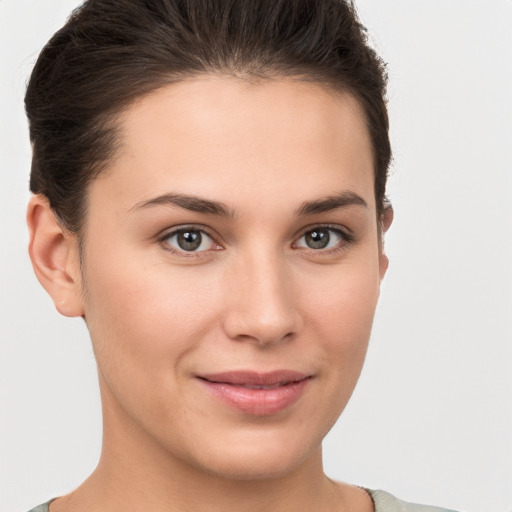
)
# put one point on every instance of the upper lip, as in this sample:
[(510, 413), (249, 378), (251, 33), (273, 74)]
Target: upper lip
[(254, 378)]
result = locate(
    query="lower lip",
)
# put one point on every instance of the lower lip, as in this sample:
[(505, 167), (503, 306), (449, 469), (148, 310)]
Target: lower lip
[(258, 402)]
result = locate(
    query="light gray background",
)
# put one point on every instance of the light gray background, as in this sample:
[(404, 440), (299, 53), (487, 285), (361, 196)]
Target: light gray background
[(431, 419)]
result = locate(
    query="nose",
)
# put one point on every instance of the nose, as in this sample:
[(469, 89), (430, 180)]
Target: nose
[(261, 301)]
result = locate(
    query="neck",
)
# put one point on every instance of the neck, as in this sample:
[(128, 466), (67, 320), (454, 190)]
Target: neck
[(151, 483)]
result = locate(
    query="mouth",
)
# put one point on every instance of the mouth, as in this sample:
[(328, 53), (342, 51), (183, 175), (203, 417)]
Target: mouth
[(256, 393)]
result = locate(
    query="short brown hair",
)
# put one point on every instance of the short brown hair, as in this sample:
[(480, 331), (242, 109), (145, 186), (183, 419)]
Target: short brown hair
[(111, 52)]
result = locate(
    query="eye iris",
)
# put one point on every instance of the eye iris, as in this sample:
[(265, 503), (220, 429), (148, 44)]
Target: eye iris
[(189, 240), (318, 238)]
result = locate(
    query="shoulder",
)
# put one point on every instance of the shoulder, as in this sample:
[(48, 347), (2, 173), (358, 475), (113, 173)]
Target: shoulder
[(385, 502), (42, 508)]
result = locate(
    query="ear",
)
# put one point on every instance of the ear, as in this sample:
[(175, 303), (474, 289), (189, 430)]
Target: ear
[(385, 222), (55, 259)]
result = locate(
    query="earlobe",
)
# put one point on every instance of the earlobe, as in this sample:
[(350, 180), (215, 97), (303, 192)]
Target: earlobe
[(54, 255)]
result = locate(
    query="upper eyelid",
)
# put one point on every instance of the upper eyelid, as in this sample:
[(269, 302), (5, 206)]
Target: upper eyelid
[(334, 227), (167, 232)]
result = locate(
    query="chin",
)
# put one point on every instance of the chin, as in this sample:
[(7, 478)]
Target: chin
[(258, 457), (253, 468)]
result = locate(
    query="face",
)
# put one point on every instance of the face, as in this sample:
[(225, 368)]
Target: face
[(231, 271)]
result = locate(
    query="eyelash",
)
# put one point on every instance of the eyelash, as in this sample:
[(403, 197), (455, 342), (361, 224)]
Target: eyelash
[(346, 238), (163, 240)]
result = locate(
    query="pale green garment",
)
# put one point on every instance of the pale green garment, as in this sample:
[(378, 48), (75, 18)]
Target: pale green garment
[(384, 502)]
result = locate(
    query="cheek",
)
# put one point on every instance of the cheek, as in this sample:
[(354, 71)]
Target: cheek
[(144, 329), (144, 316), (340, 317), (342, 304)]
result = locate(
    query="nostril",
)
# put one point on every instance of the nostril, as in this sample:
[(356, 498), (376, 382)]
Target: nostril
[(262, 334)]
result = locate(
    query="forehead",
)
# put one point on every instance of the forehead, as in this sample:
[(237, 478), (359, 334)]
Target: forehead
[(224, 137)]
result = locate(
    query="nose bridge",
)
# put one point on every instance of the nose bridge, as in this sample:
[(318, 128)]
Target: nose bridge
[(262, 304)]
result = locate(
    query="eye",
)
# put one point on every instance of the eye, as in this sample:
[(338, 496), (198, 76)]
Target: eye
[(322, 238), (189, 240)]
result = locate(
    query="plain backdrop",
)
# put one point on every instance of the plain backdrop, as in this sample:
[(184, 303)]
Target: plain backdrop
[(431, 419)]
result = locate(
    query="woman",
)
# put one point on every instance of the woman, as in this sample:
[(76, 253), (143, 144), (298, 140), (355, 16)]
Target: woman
[(209, 196)]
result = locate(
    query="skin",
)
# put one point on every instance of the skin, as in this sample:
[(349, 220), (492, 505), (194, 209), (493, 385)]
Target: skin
[(255, 296)]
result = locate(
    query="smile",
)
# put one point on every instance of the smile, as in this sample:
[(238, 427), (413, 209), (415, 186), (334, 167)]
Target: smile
[(259, 394)]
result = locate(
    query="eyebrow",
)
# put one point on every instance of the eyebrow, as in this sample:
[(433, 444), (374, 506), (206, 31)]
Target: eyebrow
[(209, 207), (191, 203), (330, 203)]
